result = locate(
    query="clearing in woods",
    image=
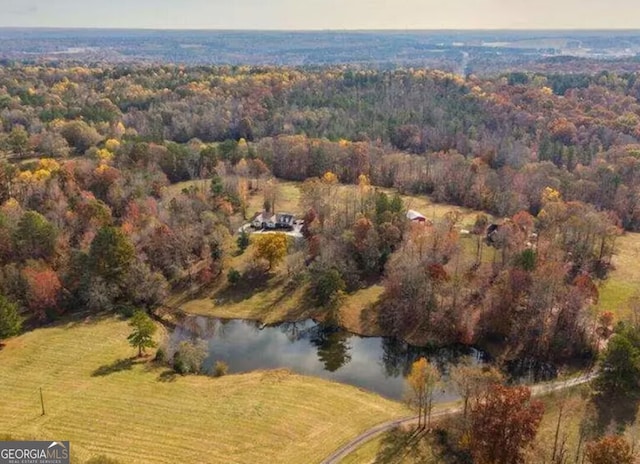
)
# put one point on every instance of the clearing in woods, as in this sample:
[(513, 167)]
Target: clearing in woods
[(272, 305)]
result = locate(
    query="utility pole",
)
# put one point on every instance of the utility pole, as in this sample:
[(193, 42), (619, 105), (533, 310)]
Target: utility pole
[(42, 401)]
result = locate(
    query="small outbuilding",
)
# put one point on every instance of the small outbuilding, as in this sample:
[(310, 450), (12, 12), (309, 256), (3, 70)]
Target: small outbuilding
[(415, 216), (492, 233)]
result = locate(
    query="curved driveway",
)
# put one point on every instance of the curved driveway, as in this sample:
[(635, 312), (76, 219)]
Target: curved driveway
[(536, 390)]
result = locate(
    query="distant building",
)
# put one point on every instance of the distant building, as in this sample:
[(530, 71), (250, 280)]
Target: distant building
[(262, 220), (415, 216), (267, 220)]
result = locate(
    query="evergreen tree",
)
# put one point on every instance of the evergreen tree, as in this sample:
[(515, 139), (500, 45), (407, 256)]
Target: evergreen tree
[(111, 253), (620, 366), (35, 236), (143, 329), (10, 320)]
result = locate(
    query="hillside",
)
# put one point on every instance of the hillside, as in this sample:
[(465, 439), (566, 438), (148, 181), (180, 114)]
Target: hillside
[(104, 403)]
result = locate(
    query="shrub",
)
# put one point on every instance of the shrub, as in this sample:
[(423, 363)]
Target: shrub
[(126, 310), (243, 241), (233, 277), (161, 356), (179, 366), (221, 368), (189, 357), (10, 320)]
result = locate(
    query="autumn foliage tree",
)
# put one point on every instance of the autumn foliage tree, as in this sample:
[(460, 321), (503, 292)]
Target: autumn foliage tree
[(471, 381), (504, 423), (271, 247), (416, 281), (611, 449), (422, 381), (80, 135), (43, 289)]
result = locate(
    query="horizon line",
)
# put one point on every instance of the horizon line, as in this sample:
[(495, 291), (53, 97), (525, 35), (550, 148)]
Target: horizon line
[(215, 29)]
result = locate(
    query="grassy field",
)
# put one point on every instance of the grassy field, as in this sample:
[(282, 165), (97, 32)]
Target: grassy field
[(273, 303), (175, 189), (267, 302), (366, 454), (288, 199), (108, 404), (400, 446), (289, 194), (624, 280)]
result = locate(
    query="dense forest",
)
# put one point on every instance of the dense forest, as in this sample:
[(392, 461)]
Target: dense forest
[(87, 220)]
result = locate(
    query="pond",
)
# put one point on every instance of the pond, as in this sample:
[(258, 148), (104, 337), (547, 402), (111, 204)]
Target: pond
[(377, 364)]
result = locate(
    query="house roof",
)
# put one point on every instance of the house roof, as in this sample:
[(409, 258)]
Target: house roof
[(264, 217), (414, 215)]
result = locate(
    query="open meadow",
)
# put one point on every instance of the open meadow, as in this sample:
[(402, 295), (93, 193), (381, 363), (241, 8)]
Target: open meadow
[(106, 403), (624, 281)]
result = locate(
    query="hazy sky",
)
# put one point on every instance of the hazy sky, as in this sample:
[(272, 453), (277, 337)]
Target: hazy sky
[(323, 14)]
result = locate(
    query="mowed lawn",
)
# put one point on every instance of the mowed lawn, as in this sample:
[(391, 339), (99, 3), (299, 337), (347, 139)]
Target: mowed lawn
[(134, 413)]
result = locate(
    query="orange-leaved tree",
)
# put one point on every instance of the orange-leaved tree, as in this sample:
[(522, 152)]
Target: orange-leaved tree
[(612, 449), (504, 423)]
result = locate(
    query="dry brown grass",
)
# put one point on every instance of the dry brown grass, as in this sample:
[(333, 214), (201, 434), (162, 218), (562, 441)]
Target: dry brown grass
[(624, 281)]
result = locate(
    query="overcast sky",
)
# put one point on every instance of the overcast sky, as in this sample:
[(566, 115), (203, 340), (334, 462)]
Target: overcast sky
[(323, 14)]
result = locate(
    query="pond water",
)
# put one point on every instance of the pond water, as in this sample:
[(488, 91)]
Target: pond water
[(377, 364)]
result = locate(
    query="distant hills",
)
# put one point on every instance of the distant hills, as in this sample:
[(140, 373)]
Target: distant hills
[(457, 51)]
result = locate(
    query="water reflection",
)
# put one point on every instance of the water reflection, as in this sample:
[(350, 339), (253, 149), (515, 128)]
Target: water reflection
[(332, 345), (529, 370), (378, 364), (398, 356)]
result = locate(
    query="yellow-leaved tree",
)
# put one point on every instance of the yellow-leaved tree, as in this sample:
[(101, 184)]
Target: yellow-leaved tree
[(422, 380), (271, 248)]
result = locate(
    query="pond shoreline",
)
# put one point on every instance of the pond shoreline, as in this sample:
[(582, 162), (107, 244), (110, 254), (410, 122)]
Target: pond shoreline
[(377, 364), (366, 332)]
